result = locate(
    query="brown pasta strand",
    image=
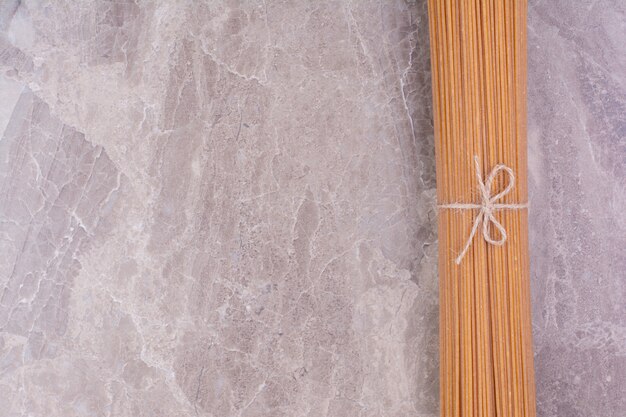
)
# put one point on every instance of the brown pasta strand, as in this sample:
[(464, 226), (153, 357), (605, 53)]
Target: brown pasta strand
[(478, 55)]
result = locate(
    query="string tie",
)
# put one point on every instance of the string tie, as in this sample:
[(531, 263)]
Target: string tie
[(487, 207)]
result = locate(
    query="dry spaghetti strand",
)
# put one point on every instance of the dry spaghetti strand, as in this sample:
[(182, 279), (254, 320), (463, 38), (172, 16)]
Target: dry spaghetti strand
[(478, 56)]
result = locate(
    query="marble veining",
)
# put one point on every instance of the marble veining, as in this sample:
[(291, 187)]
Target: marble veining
[(577, 179), (221, 208), (217, 209)]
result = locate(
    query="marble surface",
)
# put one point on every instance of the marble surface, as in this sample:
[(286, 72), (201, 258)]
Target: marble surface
[(577, 181), (216, 209), (225, 208)]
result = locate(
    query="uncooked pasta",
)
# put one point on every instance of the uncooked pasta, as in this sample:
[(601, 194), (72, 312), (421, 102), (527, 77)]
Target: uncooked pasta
[(478, 54)]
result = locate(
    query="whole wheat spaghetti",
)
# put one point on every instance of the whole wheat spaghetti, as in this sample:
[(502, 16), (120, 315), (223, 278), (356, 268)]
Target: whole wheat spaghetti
[(478, 54)]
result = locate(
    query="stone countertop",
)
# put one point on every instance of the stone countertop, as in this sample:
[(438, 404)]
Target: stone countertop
[(227, 209)]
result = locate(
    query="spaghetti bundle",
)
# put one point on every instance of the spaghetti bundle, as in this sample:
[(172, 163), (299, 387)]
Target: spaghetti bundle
[(478, 54)]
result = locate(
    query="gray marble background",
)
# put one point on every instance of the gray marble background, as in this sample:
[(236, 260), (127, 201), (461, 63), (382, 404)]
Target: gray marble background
[(577, 161), (223, 208)]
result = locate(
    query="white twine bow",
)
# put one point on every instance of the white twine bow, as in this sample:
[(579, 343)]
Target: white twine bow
[(487, 207)]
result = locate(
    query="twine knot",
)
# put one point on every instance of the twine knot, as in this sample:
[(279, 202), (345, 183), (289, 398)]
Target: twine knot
[(487, 207)]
